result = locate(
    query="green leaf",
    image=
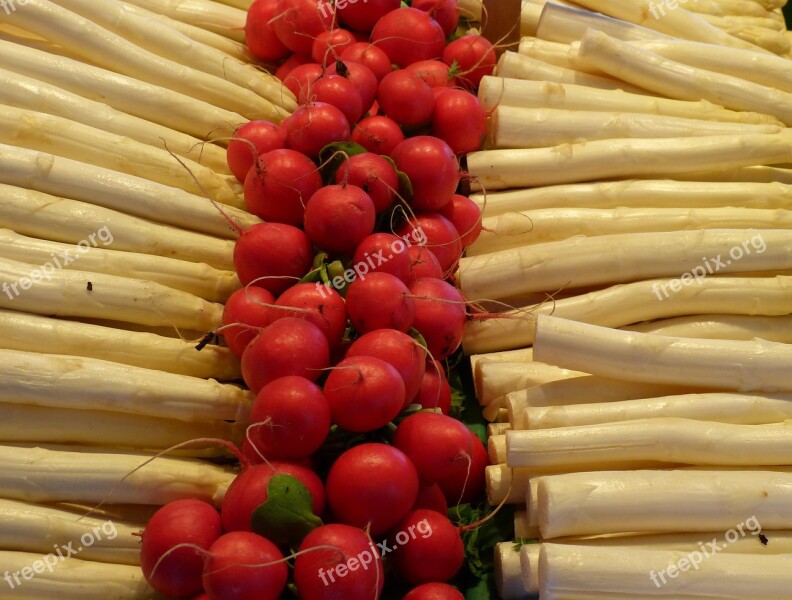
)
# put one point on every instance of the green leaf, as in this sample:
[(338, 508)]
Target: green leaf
[(332, 159), (287, 515)]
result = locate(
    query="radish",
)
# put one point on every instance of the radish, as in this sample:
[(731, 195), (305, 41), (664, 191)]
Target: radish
[(430, 496), (336, 91), (230, 573), (460, 121), (473, 56), (435, 391), (297, 23), (302, 77), (408, 35), (435, 73), (314, 126), (461, 490), (338, 562), (384, 253), (294, 61), (181, 522), (440, 315), (264, 137), (245, 306), (368, 55), (292, 417), (328, 45), (397, 349), (259, 34), (279, 185), (325, 308), (378, 135), (361, 77), (364, 393), (442, 238), (406, 98), (375, 175), (465, 216), (362, 16), (249, 490), (372, 486), (339, 217), (380, 301), (435, 555), (287, 347), (434, 591), (281, 253), (423, 263), (445, 12), (432, 168)]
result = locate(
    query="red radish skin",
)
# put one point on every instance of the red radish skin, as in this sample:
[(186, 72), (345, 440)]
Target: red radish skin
[(259, 34), (406, 98), (378, 135), (380, 301), (287, 347), (435, 391), (178, 575), (293, 419), (246, 306), (408, 35), (228, 576), (326, 309), (384, 253), (281, 254), (434, 591), (442, 238), (294, 61), (362, 16), (279, 185), (372, 486), (338, 218), (473, 56), (397, 349), (431, 497), (250, 141), (364, 394), (297, 23), (328, 45), (445, 12), (338, 92), (249, 490), (435, 73), (465, 216), (432, 168), (440, 315), (301, 78), (318, 569), (460, 121), (361, 77), (423, 263), (313, 126), (374, 175), (460, 490), (369, 56), (429, 558)]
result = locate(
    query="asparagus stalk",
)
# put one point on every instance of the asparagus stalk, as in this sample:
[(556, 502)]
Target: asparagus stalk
[(508, 574), (728, 7), (529, 565), (498, 378), (756, 174), (567, 24), (722, 327), (220, 18)]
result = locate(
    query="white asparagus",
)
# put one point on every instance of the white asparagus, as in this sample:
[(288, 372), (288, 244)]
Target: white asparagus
[(587, 261), (728, 7), (722, 327), (496, 449), (213, 16), (529, 565), (495, 379), (194, 278), (129, 194), (778, 542), (657, 74), (241, 4), (33, 333), (771, 40), (554, 53), (735, 23), (497, 428), (92, 384), (756, 174), (719, 364), (508, 575), (152, 102)]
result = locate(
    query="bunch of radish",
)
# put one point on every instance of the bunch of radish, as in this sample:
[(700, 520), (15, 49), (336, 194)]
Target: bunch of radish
[(346, 316)]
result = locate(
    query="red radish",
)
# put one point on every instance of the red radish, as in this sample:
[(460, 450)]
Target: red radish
[(375, 175), (325, 308), (287, 347), (363, 15), (460, 490), (372, 486), (297, 23), (378, 135), (398, 349), (301, 78), (364, 394), (460, 121), (293, 417), (229, 573), (361, 77), (440, 236), (328, 45), (369, 56), (349, 569), (440, 315), (445, 12), (246, 306), (435, 391), (408, 35), (406, 98), (294, 61), (465, 215), (384, 253), (264, 137), (432, 168), (339, 217), (435, 556), (473, 56), (249, 491), (430, 496), (380, 301), (259, 34), (313, 126), (338, 92), (279, 185), (423, 263), (434, 591), (181, 522), (434, 72), (276, 252)]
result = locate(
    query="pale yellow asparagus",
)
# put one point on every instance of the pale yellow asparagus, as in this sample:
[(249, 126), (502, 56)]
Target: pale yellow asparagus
[(554, 53), (755, 174), (495, 379), (722, 327), (508, 574), (771, 40), (529, 567), (218, 17), (728, 7)]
